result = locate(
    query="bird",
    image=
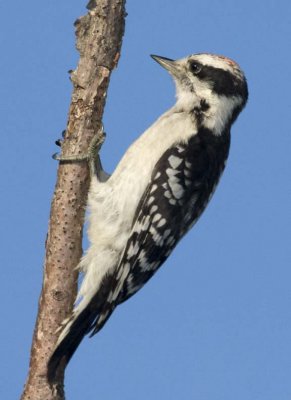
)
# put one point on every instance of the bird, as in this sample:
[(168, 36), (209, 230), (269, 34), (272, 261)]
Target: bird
[(155, 195)]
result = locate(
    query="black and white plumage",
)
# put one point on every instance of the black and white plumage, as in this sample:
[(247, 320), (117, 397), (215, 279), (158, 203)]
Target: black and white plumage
[(157, 192)]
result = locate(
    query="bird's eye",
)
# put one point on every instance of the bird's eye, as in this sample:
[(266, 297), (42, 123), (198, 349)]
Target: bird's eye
[(195, 67)]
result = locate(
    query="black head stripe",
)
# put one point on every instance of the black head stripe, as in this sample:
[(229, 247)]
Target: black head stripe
[(224, 82)]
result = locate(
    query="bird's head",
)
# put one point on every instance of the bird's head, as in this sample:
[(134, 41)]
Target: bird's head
[(214, 83)]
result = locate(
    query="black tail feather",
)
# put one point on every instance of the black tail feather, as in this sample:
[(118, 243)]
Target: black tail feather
[(84, 323), (65, 350)]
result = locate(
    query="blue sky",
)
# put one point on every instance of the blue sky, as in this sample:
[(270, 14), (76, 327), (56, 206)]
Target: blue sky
[(215, 322)]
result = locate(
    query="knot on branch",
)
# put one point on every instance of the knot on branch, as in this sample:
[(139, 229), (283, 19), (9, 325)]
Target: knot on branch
[(59, 295)]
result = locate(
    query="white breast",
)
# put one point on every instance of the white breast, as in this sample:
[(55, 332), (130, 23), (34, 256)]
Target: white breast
[(116, 200), (112, 204)]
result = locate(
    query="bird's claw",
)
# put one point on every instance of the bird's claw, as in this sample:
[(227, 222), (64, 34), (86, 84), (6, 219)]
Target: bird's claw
[(56, 156), (59, 142), (91, 154)]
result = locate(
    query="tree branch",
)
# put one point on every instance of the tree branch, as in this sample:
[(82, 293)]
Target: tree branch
[(99, 36)]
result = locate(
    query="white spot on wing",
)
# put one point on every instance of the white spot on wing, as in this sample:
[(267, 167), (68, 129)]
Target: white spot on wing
[(153, 209), (146, 222), (167, 194), (171, 240), (187, 217), (150, 266), (125, 271), (103, 317), (161, 223), (166, 233), (132, 250), (174, 161), (180, 149), (156, 237), (157, 217), (150, 200), (177, 189), (174, 179), (173, 202), (111, 298), (143, 260), (115, 292), (120, 272), (171, 172), (131, 286)]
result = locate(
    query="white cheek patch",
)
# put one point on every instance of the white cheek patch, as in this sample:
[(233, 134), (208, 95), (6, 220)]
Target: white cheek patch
[(221, 109)]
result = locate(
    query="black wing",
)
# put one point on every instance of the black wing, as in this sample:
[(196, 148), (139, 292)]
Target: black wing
[(181, 185)]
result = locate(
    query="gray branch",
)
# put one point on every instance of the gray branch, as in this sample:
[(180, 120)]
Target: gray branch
[(99, 36)]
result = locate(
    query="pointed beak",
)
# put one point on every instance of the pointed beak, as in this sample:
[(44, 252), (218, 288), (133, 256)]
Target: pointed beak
[(170, 65)]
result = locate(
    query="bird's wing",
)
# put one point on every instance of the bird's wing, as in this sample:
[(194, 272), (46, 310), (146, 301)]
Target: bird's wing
[(181, 185)]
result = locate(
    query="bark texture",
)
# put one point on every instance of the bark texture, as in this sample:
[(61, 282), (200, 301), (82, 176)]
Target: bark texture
[(99, 36)]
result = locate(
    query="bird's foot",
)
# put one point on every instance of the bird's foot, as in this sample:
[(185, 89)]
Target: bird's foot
[(90, 156)]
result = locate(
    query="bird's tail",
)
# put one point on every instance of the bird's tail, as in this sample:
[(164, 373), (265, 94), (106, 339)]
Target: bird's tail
[(85, 318), (70, 338)]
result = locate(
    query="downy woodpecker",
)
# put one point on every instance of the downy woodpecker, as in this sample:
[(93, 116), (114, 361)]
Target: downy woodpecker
[(156, 194)]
